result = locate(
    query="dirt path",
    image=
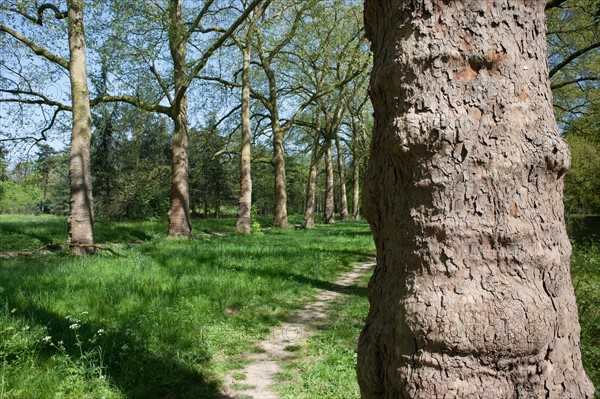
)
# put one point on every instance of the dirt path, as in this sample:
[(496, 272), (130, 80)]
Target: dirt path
[(260, 373)]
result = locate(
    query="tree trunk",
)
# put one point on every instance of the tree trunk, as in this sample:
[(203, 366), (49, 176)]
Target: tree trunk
[(311, 186), (243, 224), (356, 188), (179, 213), (329, 215), (81, 216), (341, 171), (280, 212), (471, 296)]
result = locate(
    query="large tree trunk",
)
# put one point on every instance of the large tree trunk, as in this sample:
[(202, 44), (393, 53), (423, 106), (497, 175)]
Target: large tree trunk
[(243, 224), (342, 173), (81, 216), (311, 185), (329, 215), (179, 213), (471, 296)]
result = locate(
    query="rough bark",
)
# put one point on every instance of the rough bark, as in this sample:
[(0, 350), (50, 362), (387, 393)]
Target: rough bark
[(179, 213), (81, 216), (243, 224), (342, 174), (329, 215), (311, 185), (471, 296)]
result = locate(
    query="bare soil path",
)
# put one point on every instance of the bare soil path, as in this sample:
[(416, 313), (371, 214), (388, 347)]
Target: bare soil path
[(274, 351)]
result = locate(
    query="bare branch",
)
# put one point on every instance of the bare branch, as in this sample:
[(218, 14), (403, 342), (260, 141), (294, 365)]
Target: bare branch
[(133, 101), (569, 82), (209, 52), (162, 84), (57, 14), (572, 57), (35, 48), (554, 4)]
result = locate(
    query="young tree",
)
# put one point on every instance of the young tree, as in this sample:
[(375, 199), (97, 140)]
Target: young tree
[(471, 296), (243, 223)]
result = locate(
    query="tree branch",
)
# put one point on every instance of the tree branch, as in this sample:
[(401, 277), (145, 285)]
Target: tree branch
[(162, 84), (57, 14), (35, 48), (554, 4), (105, 98), (572, 57), (209, 52), (569, 82)]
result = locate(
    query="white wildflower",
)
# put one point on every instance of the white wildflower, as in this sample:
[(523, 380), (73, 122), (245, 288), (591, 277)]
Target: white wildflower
[(47, 338), (74, 326)]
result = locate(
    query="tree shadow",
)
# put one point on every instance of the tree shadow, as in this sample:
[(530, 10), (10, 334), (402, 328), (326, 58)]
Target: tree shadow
[(127, 363)]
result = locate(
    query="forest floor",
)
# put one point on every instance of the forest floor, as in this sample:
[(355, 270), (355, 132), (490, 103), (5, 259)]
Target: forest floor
[(256, 380)]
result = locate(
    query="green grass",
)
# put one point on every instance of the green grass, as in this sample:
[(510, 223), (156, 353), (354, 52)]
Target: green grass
[(168, 319), (172, 316), (327, 368)]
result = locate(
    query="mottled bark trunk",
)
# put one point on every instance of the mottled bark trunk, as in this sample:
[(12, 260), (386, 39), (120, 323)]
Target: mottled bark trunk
[(342, 174), (243, 224), (280, 212), (311, 185), (329, 215), (81, 216), (356, 188), (179, 213), (471, 296)]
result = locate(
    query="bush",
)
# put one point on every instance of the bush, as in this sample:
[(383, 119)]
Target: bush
[(19, 198)]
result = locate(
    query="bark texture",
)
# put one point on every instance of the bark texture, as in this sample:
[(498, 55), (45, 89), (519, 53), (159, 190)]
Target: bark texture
[(311, 185), (280, 218), (356, 189), (180, 224), (81, 216), (329, 215), (471, 296), (243, 224), (342, 174)]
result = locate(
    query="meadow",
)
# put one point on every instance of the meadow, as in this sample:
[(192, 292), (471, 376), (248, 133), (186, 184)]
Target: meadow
[(169, 317)]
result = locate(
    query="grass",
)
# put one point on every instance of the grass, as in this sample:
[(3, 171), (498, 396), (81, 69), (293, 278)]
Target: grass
[(166, 320), (172, 316), (327, 368)]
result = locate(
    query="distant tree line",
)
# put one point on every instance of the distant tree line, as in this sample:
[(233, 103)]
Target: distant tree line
[(255, 107)]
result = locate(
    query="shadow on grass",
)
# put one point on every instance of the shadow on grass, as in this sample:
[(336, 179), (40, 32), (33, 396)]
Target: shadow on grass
[(211, 260), (126, 361), (583, 228), (31, 233)]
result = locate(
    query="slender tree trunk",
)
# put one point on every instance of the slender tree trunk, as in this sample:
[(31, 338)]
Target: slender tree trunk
[(471, 296), (329, 216), (280, 212), (243, 224), (311, 186), (81, 216), (356, 188), (342, 173), (180, 224)]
